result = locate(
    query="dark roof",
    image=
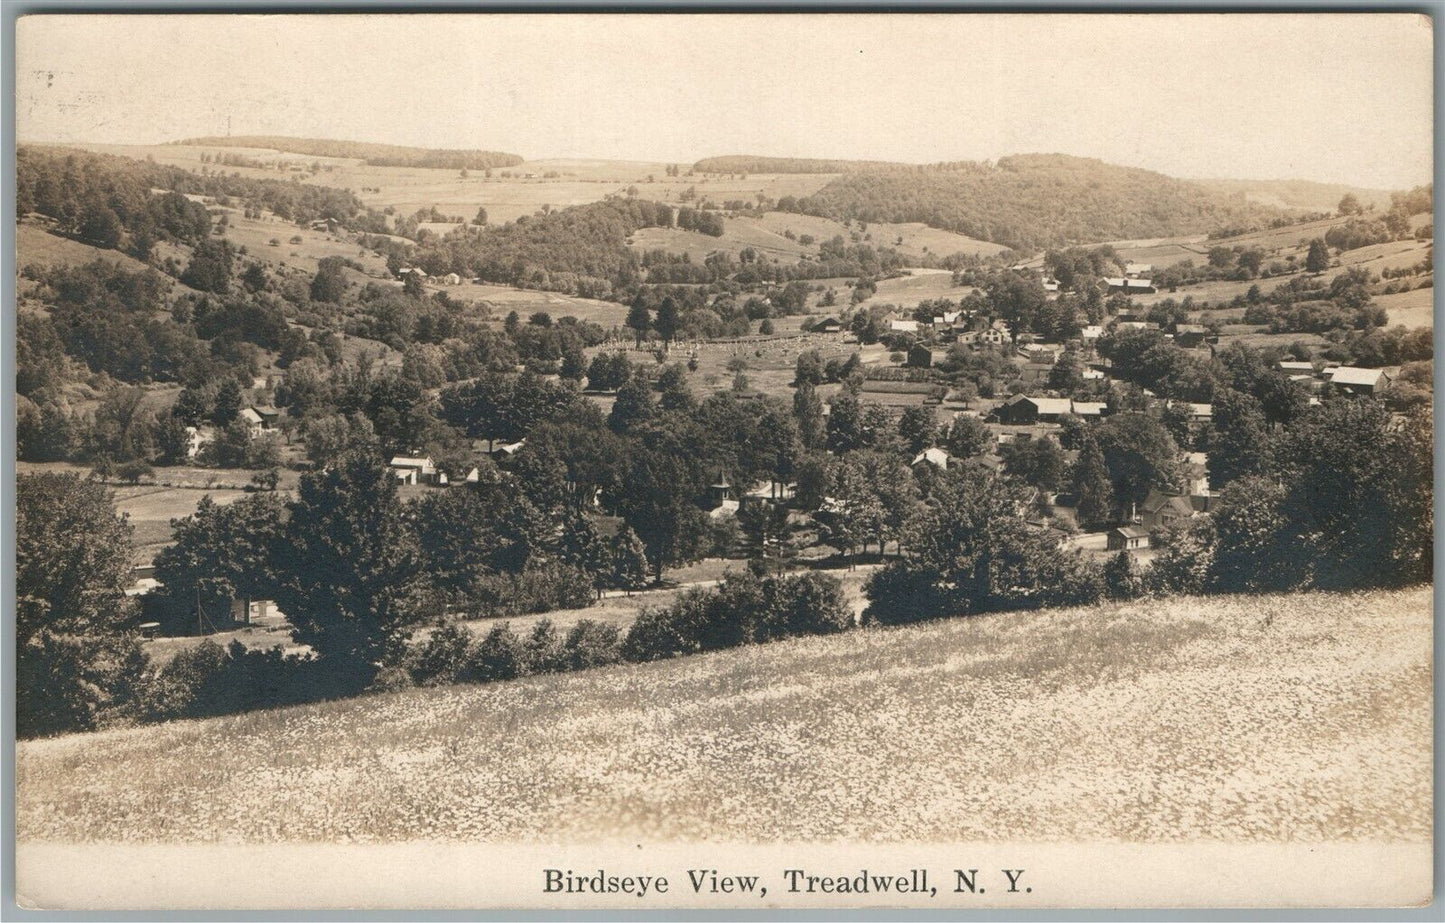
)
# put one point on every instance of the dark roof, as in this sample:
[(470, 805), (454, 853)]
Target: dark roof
[(1157, 500)]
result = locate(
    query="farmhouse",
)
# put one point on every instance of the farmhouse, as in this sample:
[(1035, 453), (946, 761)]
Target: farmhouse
[(903, 326), (922, 357), (1024, 410), (260, 420), (1358, 381), (1042, 352), (413, 470), (1130, 286), (1293, 368), (1127, 538), (1192, 336), (197, 437), (935, 457), (1135, 270), (1091, 409), (507, 450), (827, 325), (1161, 509)]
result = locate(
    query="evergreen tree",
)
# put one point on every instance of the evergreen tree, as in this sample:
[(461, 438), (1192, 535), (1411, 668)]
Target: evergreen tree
[(629, 560), (666, 322), (808, 411), (349, 572), (639, 320), (1093, 494), (1318, 258)]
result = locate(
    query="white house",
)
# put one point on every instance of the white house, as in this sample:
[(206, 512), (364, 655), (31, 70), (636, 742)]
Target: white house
[(413, 470)]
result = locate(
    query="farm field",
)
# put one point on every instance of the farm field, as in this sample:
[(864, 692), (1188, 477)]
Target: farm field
[(1304, 718), (1415, 308), (578, 181), (173, 493), (919, 285), (504, 299), (34, 244)]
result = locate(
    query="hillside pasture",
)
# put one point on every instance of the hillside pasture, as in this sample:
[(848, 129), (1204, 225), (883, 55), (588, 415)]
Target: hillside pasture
[(919, 285), (503, 299), (256, 234), (34, 245), (1415, 308), (1301, 719), (738, 234)]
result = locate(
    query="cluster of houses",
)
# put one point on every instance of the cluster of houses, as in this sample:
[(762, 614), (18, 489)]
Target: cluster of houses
[(450, 278), (1345, 378)]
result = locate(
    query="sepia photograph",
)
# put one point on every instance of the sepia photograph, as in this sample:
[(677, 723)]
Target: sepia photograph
[(751, 461)]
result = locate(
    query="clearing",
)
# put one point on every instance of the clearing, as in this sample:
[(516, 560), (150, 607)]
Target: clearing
[(1302, 718)]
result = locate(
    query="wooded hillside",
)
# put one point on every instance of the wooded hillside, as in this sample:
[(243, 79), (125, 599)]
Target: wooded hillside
[(1034, 200)]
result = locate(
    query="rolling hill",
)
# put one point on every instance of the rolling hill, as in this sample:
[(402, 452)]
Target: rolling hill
[(377, 155), (1035, 200), (1302, 718), (754, 163)]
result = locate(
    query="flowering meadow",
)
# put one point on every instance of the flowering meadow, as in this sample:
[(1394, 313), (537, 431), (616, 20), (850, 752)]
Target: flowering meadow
[(1302, 717)]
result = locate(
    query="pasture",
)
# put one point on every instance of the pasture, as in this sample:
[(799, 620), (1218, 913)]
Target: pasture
[(1415, 308), (1301, 719), (919, 285)]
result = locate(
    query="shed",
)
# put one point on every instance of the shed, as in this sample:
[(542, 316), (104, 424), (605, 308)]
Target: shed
[(1127, 538)]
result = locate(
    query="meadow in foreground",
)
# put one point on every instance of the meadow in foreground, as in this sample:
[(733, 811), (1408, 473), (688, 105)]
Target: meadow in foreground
[(1267, 718)]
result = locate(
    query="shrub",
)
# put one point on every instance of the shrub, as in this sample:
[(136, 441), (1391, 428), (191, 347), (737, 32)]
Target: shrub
[(543, 649), (810, 604), (593, 644), (1121, 577), (210, 680), (501, 655), (76, 682), (445, 657)]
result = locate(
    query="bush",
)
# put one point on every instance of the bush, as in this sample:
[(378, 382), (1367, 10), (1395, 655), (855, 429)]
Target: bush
[(743, 609), (76, 683), (544, 650), (811, 604), (210, 680), (501, 655), (445, 658), (1121, 577), (593, 644)]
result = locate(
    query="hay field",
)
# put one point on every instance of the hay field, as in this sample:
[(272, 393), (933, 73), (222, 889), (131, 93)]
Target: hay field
[(1251, 719), (1415, 308), (919, 285), (36, 245)]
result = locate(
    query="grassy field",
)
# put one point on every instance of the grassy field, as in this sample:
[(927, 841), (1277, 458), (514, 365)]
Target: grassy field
[(1276, 719), (576, 182), (1415, 308)]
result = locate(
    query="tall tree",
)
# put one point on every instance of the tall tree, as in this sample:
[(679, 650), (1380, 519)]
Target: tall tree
[(639, 319), (74, 665), (1318, 258), (1093, 494), (808, 411), (667, 320), (349, 573), (221, 554)]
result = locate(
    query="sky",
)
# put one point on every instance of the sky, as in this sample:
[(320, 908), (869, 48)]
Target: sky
[(1333, 98)]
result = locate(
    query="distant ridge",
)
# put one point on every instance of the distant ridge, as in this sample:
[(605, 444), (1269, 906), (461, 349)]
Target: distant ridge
[(751, 163), (377, 155), (1032, 201)]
